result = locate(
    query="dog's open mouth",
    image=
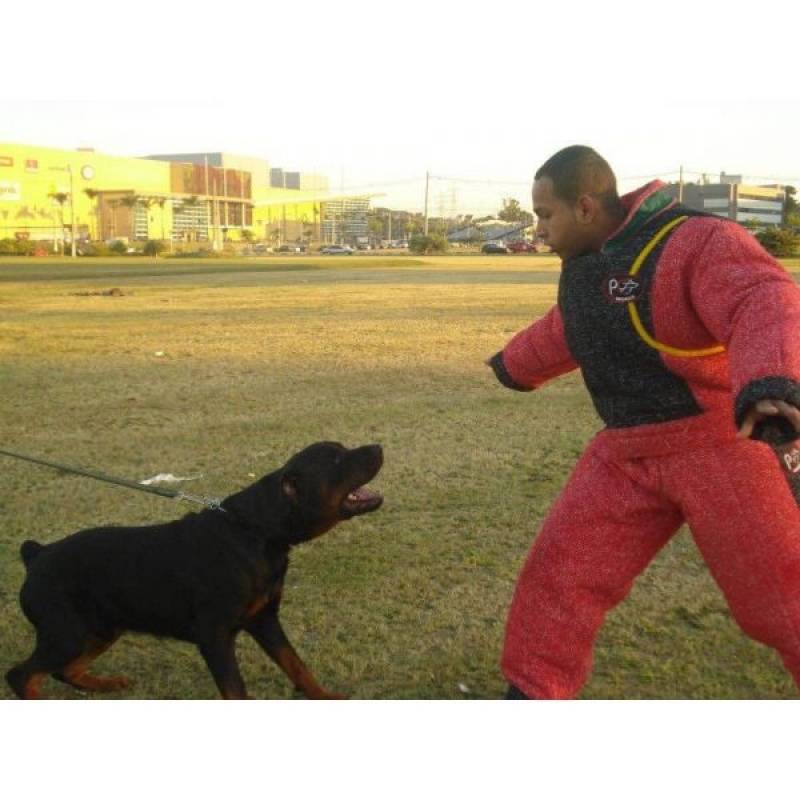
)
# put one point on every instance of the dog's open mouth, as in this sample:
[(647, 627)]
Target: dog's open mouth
[(360, 501)]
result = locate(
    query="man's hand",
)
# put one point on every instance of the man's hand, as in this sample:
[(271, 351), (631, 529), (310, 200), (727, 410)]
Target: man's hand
[(765, 409)]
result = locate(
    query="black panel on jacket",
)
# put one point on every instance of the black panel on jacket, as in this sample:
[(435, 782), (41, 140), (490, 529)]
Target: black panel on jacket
[(626, 378)]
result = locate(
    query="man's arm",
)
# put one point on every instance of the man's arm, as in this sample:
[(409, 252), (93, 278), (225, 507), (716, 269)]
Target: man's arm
[(748, 301), (534, 355)]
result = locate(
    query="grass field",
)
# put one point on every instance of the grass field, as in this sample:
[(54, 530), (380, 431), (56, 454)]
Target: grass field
[(223, 369)]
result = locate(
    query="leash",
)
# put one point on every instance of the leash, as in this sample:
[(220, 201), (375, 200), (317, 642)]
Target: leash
[(209, 502)]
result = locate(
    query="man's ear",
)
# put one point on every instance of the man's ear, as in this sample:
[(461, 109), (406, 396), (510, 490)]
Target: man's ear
[(289, 487), (586, 208)]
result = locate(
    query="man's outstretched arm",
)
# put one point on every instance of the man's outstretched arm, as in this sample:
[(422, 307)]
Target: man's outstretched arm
[(534, 355)]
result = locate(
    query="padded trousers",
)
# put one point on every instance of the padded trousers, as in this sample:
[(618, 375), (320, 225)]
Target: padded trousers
[(612, 518)]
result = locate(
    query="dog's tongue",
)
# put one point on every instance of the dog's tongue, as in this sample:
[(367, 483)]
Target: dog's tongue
[(361, 494)]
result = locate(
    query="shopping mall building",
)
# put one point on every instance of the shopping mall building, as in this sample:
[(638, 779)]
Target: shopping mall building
[(184, 197)]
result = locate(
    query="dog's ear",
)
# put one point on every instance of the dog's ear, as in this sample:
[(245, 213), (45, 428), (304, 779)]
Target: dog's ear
[(290, 487)]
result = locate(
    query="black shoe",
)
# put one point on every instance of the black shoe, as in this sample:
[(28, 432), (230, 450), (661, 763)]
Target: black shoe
[(515, 694)]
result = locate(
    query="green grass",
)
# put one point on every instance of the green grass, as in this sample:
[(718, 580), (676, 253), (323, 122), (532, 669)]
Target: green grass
[(265, 356)]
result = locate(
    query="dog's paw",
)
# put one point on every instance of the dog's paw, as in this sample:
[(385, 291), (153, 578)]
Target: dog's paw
[(323, 694)]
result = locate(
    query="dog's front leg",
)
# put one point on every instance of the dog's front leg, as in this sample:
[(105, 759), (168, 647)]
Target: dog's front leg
[(217, 649), (266, 629)]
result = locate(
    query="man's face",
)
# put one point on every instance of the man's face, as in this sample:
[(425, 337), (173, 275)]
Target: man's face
[(557, 224)]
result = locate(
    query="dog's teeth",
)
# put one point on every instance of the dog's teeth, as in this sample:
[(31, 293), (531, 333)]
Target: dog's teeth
[(352, 496)]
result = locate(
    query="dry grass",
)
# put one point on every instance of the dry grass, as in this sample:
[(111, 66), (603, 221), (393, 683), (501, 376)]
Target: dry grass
[(224, 369)]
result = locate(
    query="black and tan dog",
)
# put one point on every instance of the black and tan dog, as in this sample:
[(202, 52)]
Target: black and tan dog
[(203, 578)]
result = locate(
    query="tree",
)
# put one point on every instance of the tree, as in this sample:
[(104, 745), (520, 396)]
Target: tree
[(61, 198), (424, 245), (375, 227), (161, 202), (152, 247), (791, 206), (513, 212), (791, 209), (92, 194), (781, 242)]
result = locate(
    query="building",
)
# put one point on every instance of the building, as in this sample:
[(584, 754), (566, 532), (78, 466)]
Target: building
[(345, 219), (488, 230), (734, 200), (182, 198)]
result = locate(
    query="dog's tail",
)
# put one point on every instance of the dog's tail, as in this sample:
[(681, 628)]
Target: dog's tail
[(30, 550)]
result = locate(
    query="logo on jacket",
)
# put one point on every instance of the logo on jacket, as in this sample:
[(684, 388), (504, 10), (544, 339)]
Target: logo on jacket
[(621, 288), (791, 460)]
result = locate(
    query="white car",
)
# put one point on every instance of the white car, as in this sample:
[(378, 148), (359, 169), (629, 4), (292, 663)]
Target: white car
[(337, 250)]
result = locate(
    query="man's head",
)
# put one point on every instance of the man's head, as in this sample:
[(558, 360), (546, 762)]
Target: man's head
[(576, 202)]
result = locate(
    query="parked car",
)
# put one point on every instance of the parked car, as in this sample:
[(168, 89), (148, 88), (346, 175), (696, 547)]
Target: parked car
[(337, 250), (522, 246), (494, 247), (291, 248)]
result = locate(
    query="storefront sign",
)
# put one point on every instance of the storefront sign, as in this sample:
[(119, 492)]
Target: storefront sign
[(9, 190), (6, 161)]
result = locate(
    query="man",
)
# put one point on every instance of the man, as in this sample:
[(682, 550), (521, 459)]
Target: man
[(684, 329)]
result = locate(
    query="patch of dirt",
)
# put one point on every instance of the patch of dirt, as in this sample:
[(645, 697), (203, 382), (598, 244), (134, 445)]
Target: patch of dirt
[(101, 293)]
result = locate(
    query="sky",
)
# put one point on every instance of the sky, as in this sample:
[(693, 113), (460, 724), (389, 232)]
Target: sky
[(374, 95)]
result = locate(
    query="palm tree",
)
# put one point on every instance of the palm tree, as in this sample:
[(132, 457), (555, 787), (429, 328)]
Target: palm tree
[(92, 195), (130, 201), (161, 202), (147, 202), (60, 198)]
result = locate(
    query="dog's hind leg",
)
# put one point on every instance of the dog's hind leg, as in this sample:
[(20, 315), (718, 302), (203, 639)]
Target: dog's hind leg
[(75, 673), (62, 637), (48, 658), (26, 680)]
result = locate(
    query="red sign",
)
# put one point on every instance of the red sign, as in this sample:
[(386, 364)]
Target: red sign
[(6, 161), (31, 165)]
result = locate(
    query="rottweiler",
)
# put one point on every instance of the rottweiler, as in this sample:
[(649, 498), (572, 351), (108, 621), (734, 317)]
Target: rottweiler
[(202, 578)]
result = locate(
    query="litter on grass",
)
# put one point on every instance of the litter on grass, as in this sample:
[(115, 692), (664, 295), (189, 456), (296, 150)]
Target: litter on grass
[(167, 477)]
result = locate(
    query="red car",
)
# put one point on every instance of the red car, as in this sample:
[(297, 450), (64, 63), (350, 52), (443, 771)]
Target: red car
[(522, 246)]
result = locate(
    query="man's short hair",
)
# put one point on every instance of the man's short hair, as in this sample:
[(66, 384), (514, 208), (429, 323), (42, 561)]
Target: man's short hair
[(578, 170)]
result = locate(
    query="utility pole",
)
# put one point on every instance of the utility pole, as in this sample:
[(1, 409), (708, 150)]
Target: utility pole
[(427, 180), (680, 186), (390, 225), (72, 207)]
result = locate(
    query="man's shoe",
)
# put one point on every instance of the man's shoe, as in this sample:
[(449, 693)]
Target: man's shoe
[(515, 694)]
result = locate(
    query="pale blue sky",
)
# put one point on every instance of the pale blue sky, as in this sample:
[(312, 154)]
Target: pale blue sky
[(377, 94)]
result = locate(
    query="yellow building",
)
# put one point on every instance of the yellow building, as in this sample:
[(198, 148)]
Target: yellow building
[(194, 197)]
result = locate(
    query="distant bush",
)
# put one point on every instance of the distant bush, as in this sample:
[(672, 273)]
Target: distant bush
[(781, 242), (94, 249), (118, 247), (423, 245), (153, 247), (195, 254), (17, 247)]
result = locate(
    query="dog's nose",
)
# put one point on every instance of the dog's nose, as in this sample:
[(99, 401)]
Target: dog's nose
[(376, 452)]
